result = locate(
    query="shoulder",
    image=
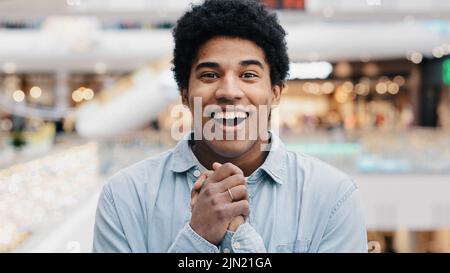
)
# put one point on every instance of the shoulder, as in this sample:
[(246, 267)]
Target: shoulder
[(322, 181), (138, 178)]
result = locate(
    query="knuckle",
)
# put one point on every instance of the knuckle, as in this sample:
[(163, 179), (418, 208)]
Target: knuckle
[(220, 212), (241, 191), (247, 210), (232, 167), (239, 171), (215, 201), (240, 177), (246, 204), (228, 165), (208, 190)]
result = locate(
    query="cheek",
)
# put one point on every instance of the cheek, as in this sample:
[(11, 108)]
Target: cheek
[(195, 93), (200, 90), (259, 96)]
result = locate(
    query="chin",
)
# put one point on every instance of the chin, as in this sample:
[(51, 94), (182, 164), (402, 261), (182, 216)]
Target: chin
[(230, 148)]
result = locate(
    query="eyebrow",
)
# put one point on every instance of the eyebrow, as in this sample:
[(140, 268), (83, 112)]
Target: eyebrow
[(216, 65), (207, 65), (251, 62)]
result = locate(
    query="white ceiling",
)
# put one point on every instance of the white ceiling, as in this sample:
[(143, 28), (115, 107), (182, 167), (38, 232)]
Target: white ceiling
[(153, 10), (328, 30)]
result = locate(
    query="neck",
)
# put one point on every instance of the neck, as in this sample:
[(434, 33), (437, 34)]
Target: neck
[(248, 162)]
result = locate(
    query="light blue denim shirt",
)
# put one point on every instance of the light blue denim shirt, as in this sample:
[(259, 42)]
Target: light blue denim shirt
[(297, 204)]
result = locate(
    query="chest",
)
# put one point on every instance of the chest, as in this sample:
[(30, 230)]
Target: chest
[(275, 215)]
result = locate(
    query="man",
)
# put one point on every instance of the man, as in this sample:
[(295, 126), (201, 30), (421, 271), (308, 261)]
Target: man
[(231, 185)]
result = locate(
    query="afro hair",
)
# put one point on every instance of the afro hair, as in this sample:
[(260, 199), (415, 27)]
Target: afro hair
[(246, 19)]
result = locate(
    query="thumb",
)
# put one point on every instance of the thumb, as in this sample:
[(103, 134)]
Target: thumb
[(216, 165)]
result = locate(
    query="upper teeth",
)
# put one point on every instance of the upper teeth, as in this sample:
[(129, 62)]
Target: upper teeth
[(230, 115)]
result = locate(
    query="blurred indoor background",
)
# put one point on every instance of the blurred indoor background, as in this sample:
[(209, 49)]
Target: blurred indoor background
[(86, 89)]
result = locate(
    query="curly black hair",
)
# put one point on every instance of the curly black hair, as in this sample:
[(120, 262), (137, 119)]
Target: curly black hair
[(246, 19)]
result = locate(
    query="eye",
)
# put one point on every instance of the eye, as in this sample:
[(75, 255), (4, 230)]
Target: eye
[(210, 75), (249, 75)]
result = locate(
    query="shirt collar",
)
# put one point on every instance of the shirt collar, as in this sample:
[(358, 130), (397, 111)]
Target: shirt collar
[(275, 164), (183, 158)]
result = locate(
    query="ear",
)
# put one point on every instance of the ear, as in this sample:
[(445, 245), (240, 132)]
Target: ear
[(184, 97), (277, 89)]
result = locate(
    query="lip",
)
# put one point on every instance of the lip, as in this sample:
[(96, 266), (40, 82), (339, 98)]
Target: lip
[(232, 119), (235, 108)]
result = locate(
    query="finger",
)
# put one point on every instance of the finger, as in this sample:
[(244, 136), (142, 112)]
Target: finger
[(238, 193), (231, 182), (207, 174), (194, 198), (200, 181), (236, 222), (216, 165), (224, 185), (225, 170), (196, 188), (241, 207)]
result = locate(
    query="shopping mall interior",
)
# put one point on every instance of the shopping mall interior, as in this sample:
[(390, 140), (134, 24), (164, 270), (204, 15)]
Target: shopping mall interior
[(86, 88)]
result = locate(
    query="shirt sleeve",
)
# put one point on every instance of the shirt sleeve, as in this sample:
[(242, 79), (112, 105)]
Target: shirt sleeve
[(188, 241), (108, 232), (245, 240), (346, 231), (109, 236)]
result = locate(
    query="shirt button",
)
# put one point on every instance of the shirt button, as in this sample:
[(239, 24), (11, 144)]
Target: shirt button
[(236, 245), (197, 173), (226, 250)]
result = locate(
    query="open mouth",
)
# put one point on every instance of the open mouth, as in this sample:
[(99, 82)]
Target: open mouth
[(230, 118)]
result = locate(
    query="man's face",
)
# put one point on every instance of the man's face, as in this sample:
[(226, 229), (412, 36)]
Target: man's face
[(232, 73)]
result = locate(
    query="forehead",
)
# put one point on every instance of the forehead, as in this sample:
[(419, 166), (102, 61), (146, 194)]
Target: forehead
[(229, 50)]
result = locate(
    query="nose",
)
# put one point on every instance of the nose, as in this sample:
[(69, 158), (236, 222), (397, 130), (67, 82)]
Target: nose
[(229, 89)]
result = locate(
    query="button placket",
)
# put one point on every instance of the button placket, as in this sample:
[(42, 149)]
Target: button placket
[(236, 245), (197, 173), (251, 218)]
